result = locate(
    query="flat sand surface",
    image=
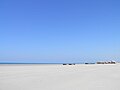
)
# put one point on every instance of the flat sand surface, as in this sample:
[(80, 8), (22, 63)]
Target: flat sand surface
[(59, 77)]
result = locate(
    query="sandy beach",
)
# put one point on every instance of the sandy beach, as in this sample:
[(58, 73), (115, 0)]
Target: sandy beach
[(60, 77)]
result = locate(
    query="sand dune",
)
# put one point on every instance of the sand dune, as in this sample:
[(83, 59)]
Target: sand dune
[(59, 77)]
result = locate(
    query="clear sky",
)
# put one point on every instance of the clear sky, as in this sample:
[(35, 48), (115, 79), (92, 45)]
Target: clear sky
[(59, 30)]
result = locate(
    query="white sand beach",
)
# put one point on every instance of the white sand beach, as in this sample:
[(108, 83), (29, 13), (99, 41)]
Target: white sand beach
[(59, 77)]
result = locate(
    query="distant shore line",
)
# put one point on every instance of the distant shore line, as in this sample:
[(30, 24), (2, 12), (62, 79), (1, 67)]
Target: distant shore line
[(66, 63), (45, 63)]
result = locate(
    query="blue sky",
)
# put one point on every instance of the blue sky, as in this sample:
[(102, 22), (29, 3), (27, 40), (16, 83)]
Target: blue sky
[(59, 30)]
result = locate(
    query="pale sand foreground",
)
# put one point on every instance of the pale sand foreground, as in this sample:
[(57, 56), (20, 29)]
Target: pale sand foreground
[(59, 77)]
